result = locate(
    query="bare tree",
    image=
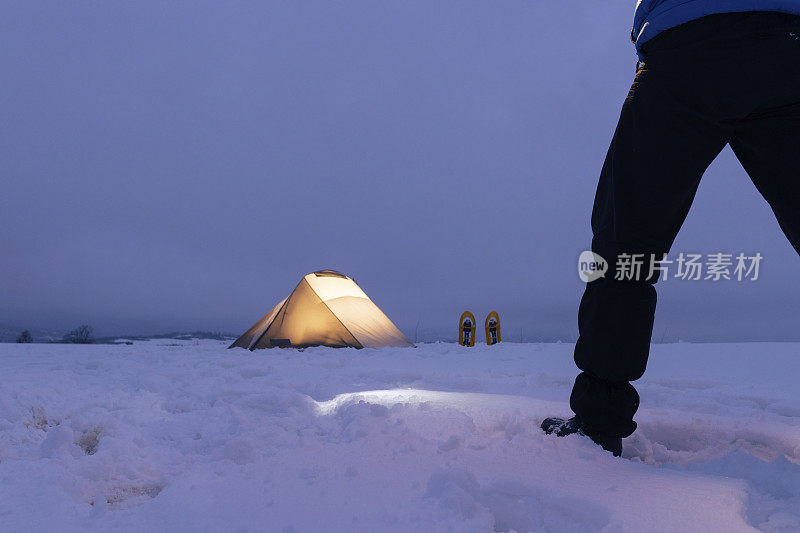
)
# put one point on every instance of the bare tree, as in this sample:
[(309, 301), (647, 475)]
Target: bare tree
[(81, 335), (25, 337)]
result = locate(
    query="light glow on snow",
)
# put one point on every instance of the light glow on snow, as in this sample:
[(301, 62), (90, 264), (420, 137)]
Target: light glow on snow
[(388, 398)]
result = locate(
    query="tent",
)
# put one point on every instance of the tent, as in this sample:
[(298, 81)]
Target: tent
[(326, 308)]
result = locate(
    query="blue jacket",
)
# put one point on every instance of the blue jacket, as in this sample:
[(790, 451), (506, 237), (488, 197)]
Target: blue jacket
[(655, 16)]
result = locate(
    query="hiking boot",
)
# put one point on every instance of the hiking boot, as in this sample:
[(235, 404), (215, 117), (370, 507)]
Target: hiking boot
[(561, 428)]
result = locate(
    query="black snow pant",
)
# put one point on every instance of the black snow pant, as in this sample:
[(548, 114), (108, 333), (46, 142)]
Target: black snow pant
[(722, 79)]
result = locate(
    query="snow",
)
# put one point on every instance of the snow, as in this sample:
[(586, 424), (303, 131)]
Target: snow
[(189, 436)]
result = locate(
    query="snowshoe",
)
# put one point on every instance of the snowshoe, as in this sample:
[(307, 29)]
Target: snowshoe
[(466, 329), (492, 327)]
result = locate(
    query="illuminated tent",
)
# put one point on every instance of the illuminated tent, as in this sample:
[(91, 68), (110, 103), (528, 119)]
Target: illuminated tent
[(326, 308)]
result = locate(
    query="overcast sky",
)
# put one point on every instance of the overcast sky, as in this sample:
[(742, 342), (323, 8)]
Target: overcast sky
[(181, 165)]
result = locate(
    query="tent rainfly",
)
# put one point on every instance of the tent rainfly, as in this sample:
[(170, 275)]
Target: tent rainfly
[(325, 309)]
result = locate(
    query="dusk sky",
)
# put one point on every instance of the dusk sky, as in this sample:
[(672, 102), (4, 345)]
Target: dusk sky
[(181, 165)]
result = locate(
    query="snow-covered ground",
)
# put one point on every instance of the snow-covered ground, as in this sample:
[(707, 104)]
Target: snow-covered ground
[(189, 436)]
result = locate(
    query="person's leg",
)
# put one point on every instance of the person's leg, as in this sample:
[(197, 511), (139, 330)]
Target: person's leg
[(768, 146), (767, 139), (668, 134)]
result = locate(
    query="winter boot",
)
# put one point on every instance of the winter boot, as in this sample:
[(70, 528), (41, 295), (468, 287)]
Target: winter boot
[(562, 428)]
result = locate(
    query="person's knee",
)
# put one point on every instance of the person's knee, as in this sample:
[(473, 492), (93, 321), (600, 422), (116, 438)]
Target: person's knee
[(628, 263), (615, 322)]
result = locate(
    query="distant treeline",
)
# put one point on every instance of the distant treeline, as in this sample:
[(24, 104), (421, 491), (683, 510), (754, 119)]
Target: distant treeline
[(84, 335), (182, 335), (80, 335)]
